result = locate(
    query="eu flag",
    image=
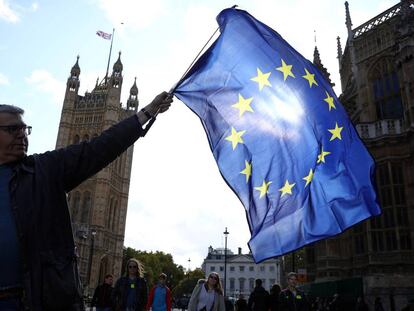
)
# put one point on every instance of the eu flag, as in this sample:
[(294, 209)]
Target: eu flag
[(281, 139)]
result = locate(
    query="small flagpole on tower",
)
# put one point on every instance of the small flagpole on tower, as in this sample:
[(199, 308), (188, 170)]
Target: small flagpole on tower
[(109, 58)]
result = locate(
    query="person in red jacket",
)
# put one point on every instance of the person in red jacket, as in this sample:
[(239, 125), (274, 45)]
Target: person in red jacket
[(159, 298)]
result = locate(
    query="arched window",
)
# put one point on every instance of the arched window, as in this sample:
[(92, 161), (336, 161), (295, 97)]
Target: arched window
[(251, 284), (386, 90), (241, 283), (113, 216), (75, 206), (232, 287), (86, 206), (119, 164), (76, 139), (109, 219), (391, 230)]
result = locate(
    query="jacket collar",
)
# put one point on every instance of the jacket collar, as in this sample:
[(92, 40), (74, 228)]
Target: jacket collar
[(26, 164)]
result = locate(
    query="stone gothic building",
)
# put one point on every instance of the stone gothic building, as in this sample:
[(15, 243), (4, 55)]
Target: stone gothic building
[(98, 206), (376, 257)]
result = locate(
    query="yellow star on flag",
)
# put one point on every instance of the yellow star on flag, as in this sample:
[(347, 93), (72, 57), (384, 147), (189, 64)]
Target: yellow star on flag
[(310, 77), (247, 170), (321, 156), (330, 101), (235, 137), (309, 177), (287, 188), (262, 79), (336, 132), (263, 188), (243, 105), (286, 69)]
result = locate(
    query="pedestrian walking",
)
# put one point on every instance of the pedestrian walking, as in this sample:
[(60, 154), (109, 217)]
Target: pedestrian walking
[(378, 304), (275, 297), (241, 304), (291, 298), (207, 295), (159, 298), (259, 298), (361, 305), (102, 296), (130, 292), (39, 269), (336, 304)]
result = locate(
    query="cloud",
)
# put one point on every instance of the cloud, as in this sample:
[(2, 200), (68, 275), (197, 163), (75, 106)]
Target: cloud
[(7, 13), (3, 79), (43, 81), (133, 14), (34, 6)]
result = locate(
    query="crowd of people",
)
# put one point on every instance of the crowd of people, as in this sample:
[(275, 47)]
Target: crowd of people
[(130, 294)]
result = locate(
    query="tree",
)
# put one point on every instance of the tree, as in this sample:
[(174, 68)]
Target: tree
[(155, 264), (186, 285)]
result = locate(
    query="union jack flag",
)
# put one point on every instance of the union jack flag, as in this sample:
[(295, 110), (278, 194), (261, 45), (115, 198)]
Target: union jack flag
[(104, 35)]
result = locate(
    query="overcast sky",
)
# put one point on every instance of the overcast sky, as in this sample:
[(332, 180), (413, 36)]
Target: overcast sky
[(178, 201)]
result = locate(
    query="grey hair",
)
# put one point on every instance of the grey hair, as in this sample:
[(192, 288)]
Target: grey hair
[(11, 109)]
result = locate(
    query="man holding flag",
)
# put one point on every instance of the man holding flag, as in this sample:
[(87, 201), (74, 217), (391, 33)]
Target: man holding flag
[(39, 269)]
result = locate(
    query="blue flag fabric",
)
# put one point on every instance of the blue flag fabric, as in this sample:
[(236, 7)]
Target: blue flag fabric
[(281, 139)]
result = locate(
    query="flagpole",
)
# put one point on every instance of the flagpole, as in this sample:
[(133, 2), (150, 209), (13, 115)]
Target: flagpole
[(195, 59), (109, 58)]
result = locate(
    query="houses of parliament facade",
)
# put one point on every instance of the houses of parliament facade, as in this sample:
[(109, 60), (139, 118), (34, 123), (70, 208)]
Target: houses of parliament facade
[(377, 79), (98, 206), (376, 257)]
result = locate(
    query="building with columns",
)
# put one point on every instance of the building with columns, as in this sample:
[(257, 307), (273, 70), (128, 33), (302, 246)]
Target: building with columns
[(376, 257), (242, 271), (98, 206)]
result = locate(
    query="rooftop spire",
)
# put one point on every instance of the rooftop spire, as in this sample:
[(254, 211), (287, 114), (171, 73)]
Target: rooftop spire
[(339, 51), (75, 71), (348, 21), (318, 63)]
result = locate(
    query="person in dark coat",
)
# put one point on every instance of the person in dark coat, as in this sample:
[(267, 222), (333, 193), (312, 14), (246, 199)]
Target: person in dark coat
[(39, 271), (241, 304), (131, 292), (102, 295), (335, 304), (361, 305), (378, 304), (275, 297), (291, 298), (259, 298)]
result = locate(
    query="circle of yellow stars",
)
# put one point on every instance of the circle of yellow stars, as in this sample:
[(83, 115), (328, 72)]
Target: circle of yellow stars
[(243, 105)]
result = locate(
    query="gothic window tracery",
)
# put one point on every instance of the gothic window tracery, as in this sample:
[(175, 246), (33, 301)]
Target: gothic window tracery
[(385, 90)]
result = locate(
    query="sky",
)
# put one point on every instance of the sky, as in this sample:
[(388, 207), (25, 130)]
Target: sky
[(178, 201)]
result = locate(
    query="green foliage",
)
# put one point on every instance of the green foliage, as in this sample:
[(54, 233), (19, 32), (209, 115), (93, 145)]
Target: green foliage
[(155, 264), (186, 286)]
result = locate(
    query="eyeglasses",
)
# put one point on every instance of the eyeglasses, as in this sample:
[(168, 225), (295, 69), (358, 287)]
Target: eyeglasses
[(15, 129), (213, 277), (132, 267)]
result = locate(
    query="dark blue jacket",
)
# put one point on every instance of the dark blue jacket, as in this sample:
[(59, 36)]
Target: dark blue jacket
[(290, 302), (120, 294), (38, 190)]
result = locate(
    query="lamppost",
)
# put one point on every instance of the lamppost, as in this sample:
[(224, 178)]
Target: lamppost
[(188, 271), (93, 233), (226, 233)]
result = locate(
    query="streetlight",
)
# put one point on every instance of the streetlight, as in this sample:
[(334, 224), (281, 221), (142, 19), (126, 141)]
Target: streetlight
[(226, 233), (188, 271), (93, 233)]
